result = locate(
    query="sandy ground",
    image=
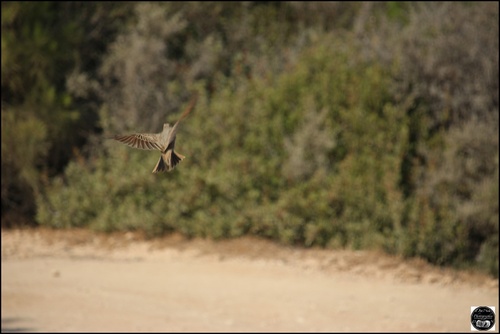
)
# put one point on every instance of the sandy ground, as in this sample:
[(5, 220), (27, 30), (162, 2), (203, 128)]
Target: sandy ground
[(81, 281)]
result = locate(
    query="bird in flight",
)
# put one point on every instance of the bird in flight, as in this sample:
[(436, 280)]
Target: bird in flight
[(163, 141)]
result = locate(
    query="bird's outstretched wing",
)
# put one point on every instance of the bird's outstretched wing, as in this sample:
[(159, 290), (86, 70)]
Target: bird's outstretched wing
[(143, 141), (173, 132)]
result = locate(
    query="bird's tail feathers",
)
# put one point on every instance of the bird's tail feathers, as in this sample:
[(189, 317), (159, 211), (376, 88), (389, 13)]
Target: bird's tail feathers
[(168, 161), (176, 158)]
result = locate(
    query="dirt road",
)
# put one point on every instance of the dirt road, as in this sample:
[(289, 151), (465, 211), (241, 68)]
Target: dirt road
[(81, 281)]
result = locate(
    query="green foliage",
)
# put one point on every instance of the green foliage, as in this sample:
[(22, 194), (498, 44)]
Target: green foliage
[(252, 161), (44, 123), (362, 125), (24, 146)]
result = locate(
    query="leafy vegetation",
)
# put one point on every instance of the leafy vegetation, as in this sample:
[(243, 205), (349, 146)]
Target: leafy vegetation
[(361, 125)]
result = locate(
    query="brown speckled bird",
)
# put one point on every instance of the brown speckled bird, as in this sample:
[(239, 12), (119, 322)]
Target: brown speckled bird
[(163, 141)]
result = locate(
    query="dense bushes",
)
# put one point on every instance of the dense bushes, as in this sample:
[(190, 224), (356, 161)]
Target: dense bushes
[(375, 127)]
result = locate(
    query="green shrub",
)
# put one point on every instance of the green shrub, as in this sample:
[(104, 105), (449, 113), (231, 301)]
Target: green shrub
[(306, 137)]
